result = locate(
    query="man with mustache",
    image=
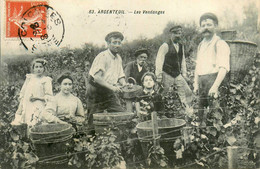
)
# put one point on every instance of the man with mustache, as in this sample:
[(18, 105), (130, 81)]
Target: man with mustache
[(212, 62), (104, 75), (171, 66), (136, 69)]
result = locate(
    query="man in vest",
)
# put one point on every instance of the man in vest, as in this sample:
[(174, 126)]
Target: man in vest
[(212, 62), (136, 69), (171, 66)]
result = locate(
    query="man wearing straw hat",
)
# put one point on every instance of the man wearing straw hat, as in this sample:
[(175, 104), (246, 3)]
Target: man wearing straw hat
[(212, 63)]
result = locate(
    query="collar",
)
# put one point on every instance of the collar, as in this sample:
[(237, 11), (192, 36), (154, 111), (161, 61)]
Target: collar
[(174, 42), (148, 92), (213, 39), (111, 54), (137, 64)]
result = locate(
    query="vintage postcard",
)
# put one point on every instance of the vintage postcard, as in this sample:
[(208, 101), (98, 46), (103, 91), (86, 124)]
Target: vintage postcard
[(129, 84)]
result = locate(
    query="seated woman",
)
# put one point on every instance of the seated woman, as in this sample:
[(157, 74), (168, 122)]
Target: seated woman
[(64, 105), (149, 100)]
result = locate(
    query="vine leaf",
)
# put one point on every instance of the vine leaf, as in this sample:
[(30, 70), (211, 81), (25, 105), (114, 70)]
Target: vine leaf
[(14, 136)]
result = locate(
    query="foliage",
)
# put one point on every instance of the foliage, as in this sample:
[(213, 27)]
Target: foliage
[(156, 157), (200, 146), (100, 151), (15, 151), (233, 125)]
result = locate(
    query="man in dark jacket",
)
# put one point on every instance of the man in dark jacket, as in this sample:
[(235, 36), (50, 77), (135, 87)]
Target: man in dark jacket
[(136, 69)]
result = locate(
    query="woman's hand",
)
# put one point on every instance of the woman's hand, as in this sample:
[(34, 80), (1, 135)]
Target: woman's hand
[(143, 112), (61, 122), (33, 99)]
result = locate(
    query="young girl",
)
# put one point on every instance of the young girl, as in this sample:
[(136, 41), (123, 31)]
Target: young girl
[(36, 90), (149, 100)]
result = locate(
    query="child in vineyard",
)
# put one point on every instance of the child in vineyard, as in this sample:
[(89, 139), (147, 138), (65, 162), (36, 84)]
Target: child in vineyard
[(149, 100), (36, 90)]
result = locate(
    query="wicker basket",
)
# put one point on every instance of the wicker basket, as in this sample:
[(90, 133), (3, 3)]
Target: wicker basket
[(120, 120), (51, 142), (241, 60), (228, 34)]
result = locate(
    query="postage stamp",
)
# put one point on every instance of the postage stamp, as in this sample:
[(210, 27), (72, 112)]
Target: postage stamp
[(15, 20), (36, 24)]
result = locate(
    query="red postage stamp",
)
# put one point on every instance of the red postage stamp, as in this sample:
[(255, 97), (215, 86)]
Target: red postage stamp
[(21, 15)]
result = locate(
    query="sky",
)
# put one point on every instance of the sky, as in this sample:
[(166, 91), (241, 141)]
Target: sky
[(82, 27)]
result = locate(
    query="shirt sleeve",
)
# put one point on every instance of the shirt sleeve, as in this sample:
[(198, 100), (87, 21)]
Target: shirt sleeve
[(99, 64), (196, 66), (80, 109), (127, 70), (183, 64), (22, 92), (51, 105), (121, 70), (223, 55), (50, 111), (160, 58), (48, 86)]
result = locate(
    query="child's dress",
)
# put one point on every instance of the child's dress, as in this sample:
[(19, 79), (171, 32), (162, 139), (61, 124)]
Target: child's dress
[(149, 102), (37, 88)]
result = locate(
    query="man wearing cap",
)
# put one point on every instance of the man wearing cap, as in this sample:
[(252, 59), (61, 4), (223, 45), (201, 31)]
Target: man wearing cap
[(171, 66), (212, 62), (104, 75), (136, 69)]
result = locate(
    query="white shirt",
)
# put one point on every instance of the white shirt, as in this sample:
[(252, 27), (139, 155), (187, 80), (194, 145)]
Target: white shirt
[(212, 55), (139, 68), (176, 45), (110, 65)]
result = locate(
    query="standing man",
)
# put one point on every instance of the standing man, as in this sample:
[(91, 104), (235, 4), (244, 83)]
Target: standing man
[(212, 62), (171, 66), (136, 69), (104, 75)]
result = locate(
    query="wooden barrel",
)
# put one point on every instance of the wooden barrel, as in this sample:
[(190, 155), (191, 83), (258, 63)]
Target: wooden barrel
[(169, 130), (228, 34), (51, 142), (242, 55), (117, 122)]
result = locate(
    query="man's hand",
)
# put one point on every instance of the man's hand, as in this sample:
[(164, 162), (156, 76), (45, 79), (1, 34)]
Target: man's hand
[(185, 77), (213, 92), (159, 78), (116, 89)]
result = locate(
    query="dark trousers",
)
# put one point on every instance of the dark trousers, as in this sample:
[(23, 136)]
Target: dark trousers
[(205, 83), (100, 99)]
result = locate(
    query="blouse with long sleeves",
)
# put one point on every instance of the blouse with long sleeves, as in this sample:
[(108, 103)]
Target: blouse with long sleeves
[(33, 87), (66, 107)]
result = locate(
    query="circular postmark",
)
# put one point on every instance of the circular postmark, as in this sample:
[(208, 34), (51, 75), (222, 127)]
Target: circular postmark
[(41, 27)]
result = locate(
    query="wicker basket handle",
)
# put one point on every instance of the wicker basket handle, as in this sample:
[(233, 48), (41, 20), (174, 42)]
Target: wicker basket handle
[(131, 78)]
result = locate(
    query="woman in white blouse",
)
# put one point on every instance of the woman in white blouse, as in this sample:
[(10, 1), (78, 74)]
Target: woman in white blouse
[(65, 105)]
